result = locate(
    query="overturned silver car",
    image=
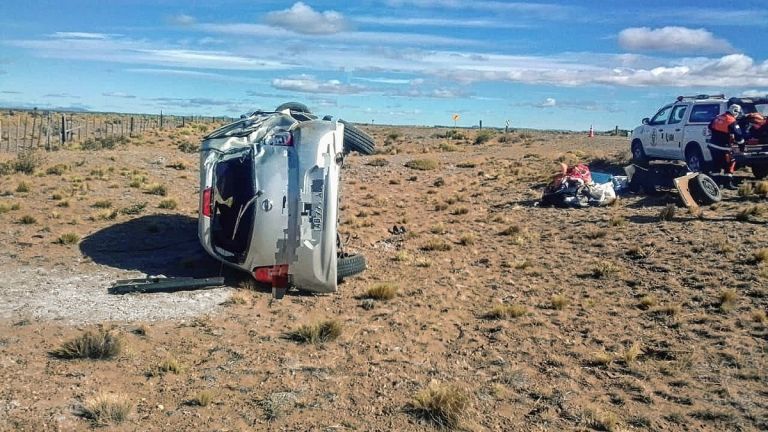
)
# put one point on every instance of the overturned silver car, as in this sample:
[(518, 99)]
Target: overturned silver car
[(269, 197)]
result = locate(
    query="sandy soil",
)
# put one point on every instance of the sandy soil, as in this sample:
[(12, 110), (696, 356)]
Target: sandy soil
[(643, 340)]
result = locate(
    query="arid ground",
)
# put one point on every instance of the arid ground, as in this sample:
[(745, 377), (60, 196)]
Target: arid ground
[(516, 317)]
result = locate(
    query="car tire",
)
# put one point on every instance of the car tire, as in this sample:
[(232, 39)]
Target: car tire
[(356, 140), (694, 159), (760, 171), (293, 106), (638, 153), (704, 190), (349, 265)]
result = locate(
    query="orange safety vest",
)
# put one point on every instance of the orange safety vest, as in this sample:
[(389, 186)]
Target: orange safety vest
[(722, 123)]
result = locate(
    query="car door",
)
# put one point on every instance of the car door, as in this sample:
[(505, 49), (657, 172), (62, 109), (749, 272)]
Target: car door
[(657, 126), (672, 135)]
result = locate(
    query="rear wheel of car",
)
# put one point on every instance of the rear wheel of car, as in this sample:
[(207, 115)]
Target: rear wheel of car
[(705, 190), (349, 265), (357, 140), (760, 171), (638, 154), (293, 106), (694, 159)]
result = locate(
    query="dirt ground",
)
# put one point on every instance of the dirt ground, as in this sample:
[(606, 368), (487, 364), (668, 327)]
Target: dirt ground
[(624, 321)]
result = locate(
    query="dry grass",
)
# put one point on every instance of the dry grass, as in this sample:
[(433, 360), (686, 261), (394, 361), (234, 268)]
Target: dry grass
[(27, 220), (156, 189), (316, 333), (727, 299), (467, 239), (746, 189), (438, 245), (459, 211), (168, 204), (601, 359), (422, 164), (631, 354), (746, 213), (401, 256), (106, 408), (104, 204), (648, 301), (600, 420), (510, 230), (761, 188), (22, 187), (761, 255), (99, 345), (443, 405), (382, 291), (668, 212), (759, 316), (504, 311), (559, 301), (203, 398), (68, 239), (605, 269), (169, 365)]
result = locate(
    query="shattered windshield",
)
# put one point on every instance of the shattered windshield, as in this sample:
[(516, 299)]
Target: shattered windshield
[(260, 122)]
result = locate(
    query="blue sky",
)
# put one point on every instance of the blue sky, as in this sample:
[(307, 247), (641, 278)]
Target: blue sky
[(559, 65)]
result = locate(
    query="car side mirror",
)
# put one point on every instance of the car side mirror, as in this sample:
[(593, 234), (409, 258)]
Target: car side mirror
[(646, 121)]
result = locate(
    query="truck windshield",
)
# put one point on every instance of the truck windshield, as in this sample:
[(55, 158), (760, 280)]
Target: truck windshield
[(246, 126)]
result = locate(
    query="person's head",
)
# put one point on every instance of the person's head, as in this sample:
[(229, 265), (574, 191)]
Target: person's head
[(735, 110)]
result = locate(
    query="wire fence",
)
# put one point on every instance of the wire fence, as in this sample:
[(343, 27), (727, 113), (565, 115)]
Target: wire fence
[(22, 130)]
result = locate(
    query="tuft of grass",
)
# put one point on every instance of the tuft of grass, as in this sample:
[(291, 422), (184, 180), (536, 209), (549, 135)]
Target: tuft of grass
[(438, 245), (106, 408), (602, 421), (316, 333), (99, 345), (179, 166), (382, 291), (648, 301), (761, 188), (605, 269), (443, 405), (104, 204), (670, 310), (68, 239), (422, 164), (727, 299), (401, 256), (759, 316), (133, 209), (448, 147), (668, 212), (156, 189), (26, 162), (22, 187), (631, 354), (559, 301), (510, 230), (746, 189), (747, 212), (169, 365), (63, 204), (27, 220), (57, 197), (378, 162), (459, 211), (467, 239), (106, 215), (504, 311), (483, 137), (761, 255), (168, 204), (617, 221), (57, 169), (203, 398), (601, 358)]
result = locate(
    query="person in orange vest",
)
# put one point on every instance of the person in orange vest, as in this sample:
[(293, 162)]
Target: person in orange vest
[(758, 128), (725, 131)]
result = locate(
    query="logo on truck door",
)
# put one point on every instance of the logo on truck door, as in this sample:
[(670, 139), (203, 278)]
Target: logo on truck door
[(653, 137), (316, 213)]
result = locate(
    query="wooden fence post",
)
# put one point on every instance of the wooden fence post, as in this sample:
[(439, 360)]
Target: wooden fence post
[(63, 136)]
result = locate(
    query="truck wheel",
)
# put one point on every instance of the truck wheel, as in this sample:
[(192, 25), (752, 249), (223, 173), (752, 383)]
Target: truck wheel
[(705, 190), (638, 154), (760, 171), (349, 265), (356, 140), (293, 106), (694, 159)]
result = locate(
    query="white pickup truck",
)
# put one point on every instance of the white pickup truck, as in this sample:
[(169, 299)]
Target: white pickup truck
[(679, 131)]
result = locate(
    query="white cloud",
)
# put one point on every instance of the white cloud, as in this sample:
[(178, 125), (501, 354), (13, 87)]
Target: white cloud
[(547, 103), (672, 39), (119, 95), (301, 18), (436, 22), (182, 20), (308, 84), (81, 35), (755, 93)]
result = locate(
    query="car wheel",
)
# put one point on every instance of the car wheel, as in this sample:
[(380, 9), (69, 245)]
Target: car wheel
[(705, 190), (356, 140), (760, 171), (694, 159), (638, 154), (293, 106), (349, 265)]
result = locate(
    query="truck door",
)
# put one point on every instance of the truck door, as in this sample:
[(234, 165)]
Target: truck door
[(672, 137), (657, 126)]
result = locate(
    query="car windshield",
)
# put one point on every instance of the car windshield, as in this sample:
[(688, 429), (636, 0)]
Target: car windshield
[(246, 126)]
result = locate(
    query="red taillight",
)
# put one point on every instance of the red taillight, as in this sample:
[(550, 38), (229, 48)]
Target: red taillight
[(277, 275), (207, 205), (284, 139)]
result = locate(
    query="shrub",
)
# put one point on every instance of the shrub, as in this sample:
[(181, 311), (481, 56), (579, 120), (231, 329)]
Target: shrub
[(504, 311), (101, 143), (668, 212), (22, 187), (169, 365), (57, 169), (384, 291), (26, 162), (106, 408), (104, 204), (156, 189), (727, 299), (559, 301), (316, 333), (443, 405), (203, 398), (134, 209), (27, 220), (187, 147), (68, 239), (99, 345), (168, 204), (483, 137), (436, 245), (378, 162), (422, 164)]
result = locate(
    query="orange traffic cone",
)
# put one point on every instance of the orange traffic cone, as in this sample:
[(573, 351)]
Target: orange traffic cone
[(591, 132)]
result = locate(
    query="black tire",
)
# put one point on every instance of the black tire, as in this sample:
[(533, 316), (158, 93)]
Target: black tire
[(760, 171), (638, 154), (357, 140), (704, 190), (349, 265), (293, 106), (695, 160)]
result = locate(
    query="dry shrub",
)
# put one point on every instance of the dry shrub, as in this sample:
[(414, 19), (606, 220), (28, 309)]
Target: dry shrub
[(168, 204), (648, 301), (442, 405), (316, 333), (668, 212), (422, 164), (401, 256), (747, 212), (510, 230), (559, 301), (602, 421), (467, 239), (761, 188), (169, 365), (759, 316), (99, 345), (203, 398), (103, 204), (761, 255), (106, 408), (436, 245), (27, 220), (156, 189), (383, 291), (605, 269), (504, 311), (632, 353), (746, 189), (727, 299), (459, 211), (617, 221), (68, 239), (378, 162), (600, 359)]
